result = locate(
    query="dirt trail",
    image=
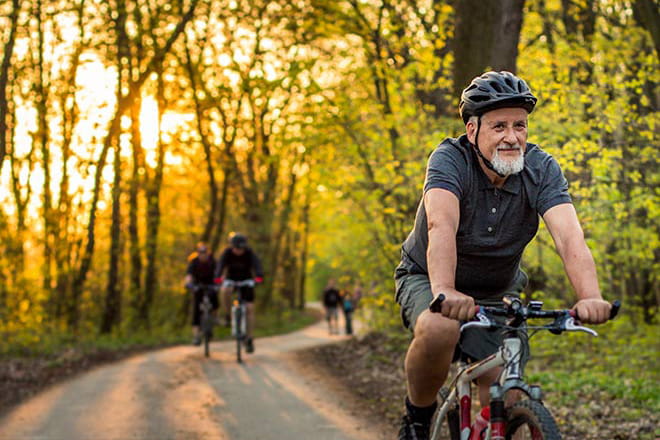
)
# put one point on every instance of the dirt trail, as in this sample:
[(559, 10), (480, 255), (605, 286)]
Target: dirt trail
[(176, 393)]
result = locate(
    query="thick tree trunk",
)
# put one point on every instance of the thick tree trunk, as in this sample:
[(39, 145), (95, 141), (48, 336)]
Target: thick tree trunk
[(647, 14), (507, 35), (486, 36)]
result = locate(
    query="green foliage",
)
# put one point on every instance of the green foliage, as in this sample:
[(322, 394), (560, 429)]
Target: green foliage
[(620, 363), (52, 343)]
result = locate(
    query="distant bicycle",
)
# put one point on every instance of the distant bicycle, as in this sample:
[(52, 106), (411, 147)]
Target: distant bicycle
[(238, 312), (207, 320)]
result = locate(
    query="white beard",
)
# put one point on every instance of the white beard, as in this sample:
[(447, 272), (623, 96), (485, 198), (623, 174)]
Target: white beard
[(508, 167)]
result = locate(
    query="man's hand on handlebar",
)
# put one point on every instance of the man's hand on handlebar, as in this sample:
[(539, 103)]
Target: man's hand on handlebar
[(455, 305), (593, 310)]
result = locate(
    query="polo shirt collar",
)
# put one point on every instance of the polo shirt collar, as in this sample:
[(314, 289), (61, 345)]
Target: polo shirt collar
[(511, 185)]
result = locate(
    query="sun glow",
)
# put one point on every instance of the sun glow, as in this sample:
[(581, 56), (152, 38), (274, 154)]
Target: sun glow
[(149, 128)]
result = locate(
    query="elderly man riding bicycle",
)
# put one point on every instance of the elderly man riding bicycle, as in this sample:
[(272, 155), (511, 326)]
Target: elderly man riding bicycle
[(483, 195)]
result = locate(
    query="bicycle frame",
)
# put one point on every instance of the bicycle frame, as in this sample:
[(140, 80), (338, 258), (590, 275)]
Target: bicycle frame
[(206, 324), (238, 312)]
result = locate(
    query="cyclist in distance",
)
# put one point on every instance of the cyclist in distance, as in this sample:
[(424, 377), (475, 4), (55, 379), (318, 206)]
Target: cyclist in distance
[(201, 270), (237, 263), (483, 195)]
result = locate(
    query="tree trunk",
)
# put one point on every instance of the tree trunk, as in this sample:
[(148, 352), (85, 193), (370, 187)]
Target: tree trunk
[(153, 216), (279, 240), (211, 217), (65, 246), (305, 250), (647, 14), (41, 88), (486, 35), (507, 35), (4, 80), (111, 311), (133, 224)]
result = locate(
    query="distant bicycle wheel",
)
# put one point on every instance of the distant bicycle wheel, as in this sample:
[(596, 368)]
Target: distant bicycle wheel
[(207, 332), (238, 320), (530, 420)]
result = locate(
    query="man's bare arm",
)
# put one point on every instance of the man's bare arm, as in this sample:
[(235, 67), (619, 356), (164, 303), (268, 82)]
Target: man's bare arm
[(564, 226), (443, 215)]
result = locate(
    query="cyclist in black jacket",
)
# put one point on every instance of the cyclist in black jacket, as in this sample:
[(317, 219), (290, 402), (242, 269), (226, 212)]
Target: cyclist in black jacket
[(201, 267), (238, 262)]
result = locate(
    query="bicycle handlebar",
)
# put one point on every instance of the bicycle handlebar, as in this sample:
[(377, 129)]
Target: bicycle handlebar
[(205, 287), (517, 312), (243, 283)]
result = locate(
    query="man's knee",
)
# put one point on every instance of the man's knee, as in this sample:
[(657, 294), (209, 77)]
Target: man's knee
[(436, 331)]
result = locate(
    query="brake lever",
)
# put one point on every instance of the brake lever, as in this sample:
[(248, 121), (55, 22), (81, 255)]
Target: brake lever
[(481, 320), (571, 326)]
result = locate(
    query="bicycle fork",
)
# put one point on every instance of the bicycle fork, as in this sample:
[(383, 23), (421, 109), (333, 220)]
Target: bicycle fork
[(238, 312)]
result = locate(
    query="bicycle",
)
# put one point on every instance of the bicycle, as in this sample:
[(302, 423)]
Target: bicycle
[(524, 419), (238, 313), (207, 320)]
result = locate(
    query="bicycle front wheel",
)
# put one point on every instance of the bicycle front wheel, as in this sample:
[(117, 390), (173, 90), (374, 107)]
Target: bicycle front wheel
[(530, 420), (448, 429), (207, 333), (238, 318)]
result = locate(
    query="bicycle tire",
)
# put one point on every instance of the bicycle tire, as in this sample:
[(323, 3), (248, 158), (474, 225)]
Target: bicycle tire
[(207, 332), (449, 428), (239, 335), (535, 416)]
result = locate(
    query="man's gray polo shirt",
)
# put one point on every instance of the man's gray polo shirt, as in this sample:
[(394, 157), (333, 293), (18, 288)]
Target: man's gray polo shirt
[(495, 223)]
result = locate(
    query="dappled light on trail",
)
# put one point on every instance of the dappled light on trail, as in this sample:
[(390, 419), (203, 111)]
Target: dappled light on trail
[(177, 393)]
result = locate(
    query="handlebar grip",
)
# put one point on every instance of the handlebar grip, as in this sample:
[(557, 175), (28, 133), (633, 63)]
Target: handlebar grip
[(616, 305), (436, 305)]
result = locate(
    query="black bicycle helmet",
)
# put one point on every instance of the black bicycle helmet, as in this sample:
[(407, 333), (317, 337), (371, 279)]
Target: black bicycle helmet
[(238, 241), (494, 90)]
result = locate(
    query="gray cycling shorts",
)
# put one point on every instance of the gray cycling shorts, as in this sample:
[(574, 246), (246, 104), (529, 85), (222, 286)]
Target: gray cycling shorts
[(413, 293)]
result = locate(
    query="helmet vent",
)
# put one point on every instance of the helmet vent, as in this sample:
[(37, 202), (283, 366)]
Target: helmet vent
[(496, 86), (480, 98)]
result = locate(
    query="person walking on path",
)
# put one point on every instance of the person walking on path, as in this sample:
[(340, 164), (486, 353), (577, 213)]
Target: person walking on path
[(331, 300), (348, 306)]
